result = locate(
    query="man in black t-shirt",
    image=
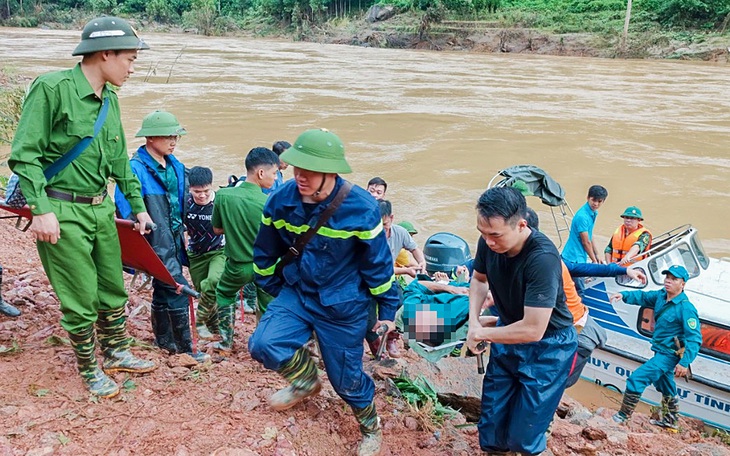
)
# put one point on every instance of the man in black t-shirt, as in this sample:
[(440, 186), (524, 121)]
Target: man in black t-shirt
[(533, 341)]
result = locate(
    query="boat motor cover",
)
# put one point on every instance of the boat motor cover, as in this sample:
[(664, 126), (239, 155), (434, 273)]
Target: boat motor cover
[(444, 252), (537, 181)]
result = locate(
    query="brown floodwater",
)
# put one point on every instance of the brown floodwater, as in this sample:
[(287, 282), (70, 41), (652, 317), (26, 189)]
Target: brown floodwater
[(439, 125)]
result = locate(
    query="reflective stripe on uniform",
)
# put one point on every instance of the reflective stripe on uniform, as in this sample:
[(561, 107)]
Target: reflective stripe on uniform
[(266, 271), (384, 287), (324, 231)]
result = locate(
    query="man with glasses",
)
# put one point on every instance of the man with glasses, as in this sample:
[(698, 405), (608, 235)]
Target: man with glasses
[(164, 189), (629, 239)]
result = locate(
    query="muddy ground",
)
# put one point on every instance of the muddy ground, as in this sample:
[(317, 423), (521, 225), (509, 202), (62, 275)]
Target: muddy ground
[(221, 408)]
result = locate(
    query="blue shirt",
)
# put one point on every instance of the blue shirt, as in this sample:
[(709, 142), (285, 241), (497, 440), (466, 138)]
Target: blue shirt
[(675, 318), (583, 222)]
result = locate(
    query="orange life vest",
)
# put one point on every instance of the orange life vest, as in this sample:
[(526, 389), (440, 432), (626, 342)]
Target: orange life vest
[(621, 243), (575, 305)]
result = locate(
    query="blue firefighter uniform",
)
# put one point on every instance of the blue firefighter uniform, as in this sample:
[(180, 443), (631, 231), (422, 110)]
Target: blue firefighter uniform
[(674, 318), (328, 289)]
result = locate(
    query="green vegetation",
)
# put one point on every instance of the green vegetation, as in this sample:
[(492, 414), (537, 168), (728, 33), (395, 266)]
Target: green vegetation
[(222, 16), (421, 396)]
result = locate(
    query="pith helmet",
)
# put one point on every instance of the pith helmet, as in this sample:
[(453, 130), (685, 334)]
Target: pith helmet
[(633, 212), (317, 150), (108, 34), (160, 123)]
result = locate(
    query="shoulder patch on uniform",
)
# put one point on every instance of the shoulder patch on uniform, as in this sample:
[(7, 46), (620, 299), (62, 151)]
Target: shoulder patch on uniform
[(692, 323)]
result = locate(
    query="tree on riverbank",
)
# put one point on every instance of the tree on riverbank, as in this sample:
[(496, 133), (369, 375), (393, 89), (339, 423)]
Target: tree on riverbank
[(217, 16)]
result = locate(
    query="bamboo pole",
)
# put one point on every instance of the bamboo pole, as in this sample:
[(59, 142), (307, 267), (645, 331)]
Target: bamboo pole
[(624, 37)]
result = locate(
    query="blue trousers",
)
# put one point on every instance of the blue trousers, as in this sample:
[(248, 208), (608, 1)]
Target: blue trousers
[(521, 391), (658, 371), (288, 324)]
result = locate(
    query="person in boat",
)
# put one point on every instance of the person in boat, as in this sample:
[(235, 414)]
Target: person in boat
[(328, 287), (590, 334), (533, 341), (237, 213), (278, 148), (398, 239), (6, 309), (205, 247), (73, 220), (580, 246), (377, 187), (676, 342), (629, 239), (164, 189)]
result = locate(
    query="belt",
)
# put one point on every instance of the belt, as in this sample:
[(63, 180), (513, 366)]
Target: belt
[(93, 200)]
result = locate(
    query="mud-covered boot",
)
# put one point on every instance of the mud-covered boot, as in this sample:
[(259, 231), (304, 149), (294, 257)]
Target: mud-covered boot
[(162, 329), (372, 436), (5, 308), (95, 380), (627, 407), (112, 333), (249, 298), (301, 372), (670, 417), (392, 345), (374, 346), (226, 324), (180, 319), (206, 309)]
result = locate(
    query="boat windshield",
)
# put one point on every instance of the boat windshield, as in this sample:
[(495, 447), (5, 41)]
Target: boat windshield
[(700, 251), (679, 254)]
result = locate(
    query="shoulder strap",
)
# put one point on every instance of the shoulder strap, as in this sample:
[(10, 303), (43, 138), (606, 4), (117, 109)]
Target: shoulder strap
[(66, 159), (296, 249)]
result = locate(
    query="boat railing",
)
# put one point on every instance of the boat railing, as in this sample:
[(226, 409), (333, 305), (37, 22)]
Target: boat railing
[(668, 238)]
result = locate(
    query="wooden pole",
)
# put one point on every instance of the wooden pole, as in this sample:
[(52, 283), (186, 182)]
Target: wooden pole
[(624, 38)]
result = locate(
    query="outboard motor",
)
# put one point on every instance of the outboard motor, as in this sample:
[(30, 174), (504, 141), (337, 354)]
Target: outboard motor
[(444, 252)]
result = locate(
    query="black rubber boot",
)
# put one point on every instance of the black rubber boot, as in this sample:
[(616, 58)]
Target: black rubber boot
[(180, 319), (162, 329)]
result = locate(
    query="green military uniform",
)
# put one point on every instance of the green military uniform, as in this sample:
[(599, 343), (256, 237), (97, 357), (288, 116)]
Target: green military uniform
[(84, 266), (238, 211)]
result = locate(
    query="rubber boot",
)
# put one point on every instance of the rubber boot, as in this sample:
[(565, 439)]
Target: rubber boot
[(5, 308), (392, 345), (162, 329), (249, 298), (180, 319), (301, 372), (372, 435), (95, 380), (627, 407), (226, 325), (670, 417), (112, 332), (374, 345), (204, 317)]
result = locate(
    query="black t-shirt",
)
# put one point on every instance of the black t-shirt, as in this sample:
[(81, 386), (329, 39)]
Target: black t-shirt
[(532, 278), (198, 222)]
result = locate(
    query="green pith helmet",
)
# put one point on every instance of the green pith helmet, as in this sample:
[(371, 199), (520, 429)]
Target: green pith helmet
[(160, 123), (317, 150), (408, 226), (633, 212), (108, 34)]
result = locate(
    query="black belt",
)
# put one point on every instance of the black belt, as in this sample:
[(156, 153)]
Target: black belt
[(93, 200)]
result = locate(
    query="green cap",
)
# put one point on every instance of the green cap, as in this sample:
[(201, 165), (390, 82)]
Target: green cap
[(633, 212), (317, 150), (108, 34), (677, 271), (408, 226), (160, 123)]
